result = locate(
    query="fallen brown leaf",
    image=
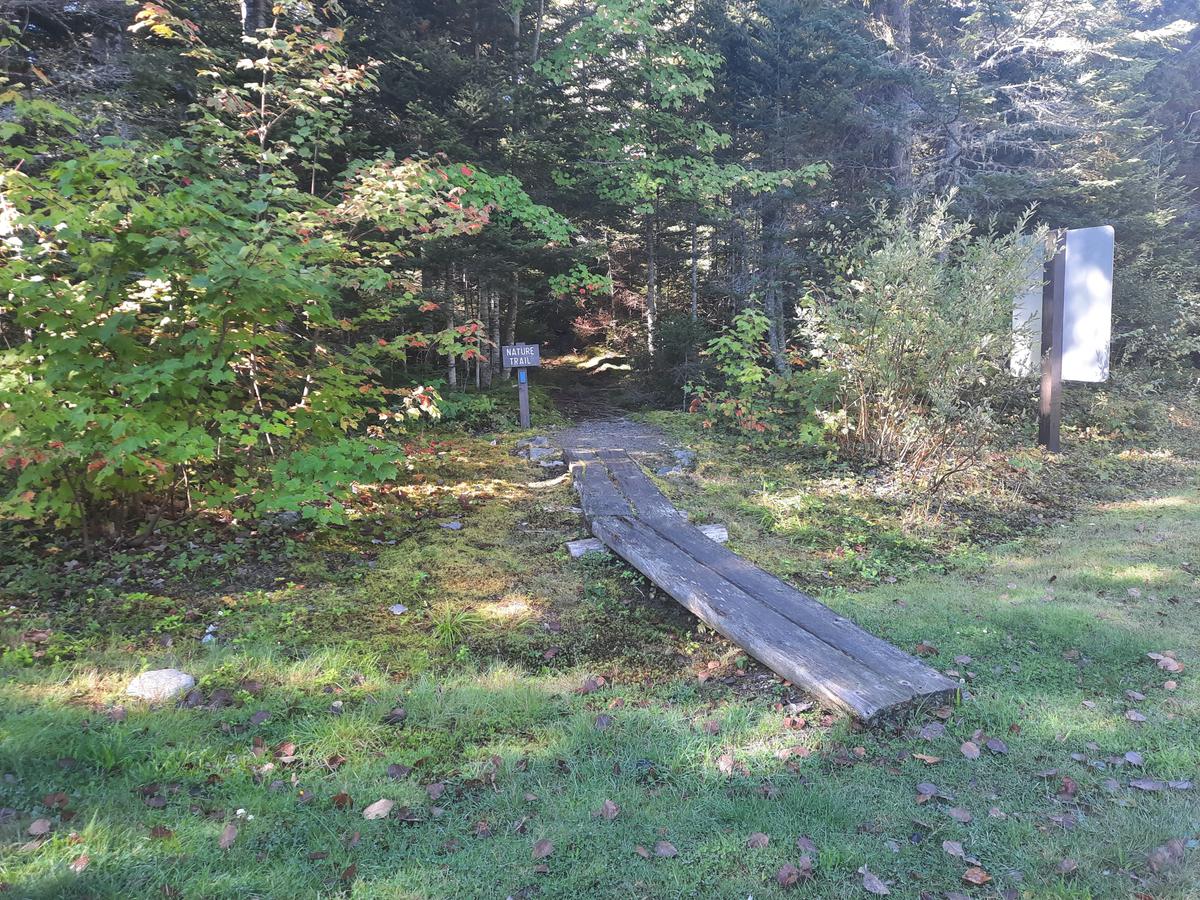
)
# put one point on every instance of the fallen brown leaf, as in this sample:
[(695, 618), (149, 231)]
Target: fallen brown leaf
[(757, 841), (228, 836), (542, 849), (872, 883), (976, 875), (38, 827), (665, 849), (607, 811), (789, 874), (379, 809)]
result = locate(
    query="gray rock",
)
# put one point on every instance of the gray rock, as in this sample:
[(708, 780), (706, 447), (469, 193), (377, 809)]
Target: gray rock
[(667, 471), (536, 453), (159, 685), (539, 441), (397, 609), (288, 518), (551, 463), (685, 458)]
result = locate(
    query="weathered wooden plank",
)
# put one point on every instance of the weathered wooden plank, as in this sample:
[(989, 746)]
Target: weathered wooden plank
[(808, 613), (597, 494), (638, 489), (772, 638)]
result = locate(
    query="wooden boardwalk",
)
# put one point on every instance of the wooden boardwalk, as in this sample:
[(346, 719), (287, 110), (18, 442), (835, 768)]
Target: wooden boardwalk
[(799, 638)]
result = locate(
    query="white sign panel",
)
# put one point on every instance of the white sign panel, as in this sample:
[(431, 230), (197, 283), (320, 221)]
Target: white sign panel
[(1026, 357), (1087, 317), (1087, 314)]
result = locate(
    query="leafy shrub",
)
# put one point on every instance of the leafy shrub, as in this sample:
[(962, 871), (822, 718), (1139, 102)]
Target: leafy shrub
[(750, 397), (171, 310), (920, 328)]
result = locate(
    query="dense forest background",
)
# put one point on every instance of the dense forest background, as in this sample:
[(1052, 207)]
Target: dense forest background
[(420, 182)]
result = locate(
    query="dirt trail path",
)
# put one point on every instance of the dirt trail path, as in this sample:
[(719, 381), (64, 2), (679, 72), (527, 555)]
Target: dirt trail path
[(599, 404)]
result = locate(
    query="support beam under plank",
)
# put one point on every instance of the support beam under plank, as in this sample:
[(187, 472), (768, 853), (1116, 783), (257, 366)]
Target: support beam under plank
[(770, 637)]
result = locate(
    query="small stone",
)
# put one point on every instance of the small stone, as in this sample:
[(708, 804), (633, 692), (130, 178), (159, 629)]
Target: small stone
[(397, 609), (455, 525), (158, 685)]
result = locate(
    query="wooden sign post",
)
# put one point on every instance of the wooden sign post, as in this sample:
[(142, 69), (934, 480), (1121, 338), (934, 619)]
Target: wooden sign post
[(1050, 396), (521, 357)]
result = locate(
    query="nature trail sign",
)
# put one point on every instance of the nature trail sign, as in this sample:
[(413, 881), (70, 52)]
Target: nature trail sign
[(522, 357)]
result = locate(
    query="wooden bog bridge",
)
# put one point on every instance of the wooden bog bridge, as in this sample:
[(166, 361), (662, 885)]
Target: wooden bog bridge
[(799, 638)]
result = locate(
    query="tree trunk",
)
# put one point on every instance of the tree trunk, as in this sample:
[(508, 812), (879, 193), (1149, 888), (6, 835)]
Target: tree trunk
[(510, 319), (483, 348), (494, 328), (896, 18), (651, 283), (537, 33), (695, 306), (771, 267), (451, 361)]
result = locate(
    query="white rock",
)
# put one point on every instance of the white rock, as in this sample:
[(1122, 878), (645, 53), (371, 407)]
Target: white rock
[(158, 685), (398, 609)]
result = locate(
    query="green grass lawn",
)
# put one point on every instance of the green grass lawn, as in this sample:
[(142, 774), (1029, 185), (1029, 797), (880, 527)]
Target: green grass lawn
[(509, 740)]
